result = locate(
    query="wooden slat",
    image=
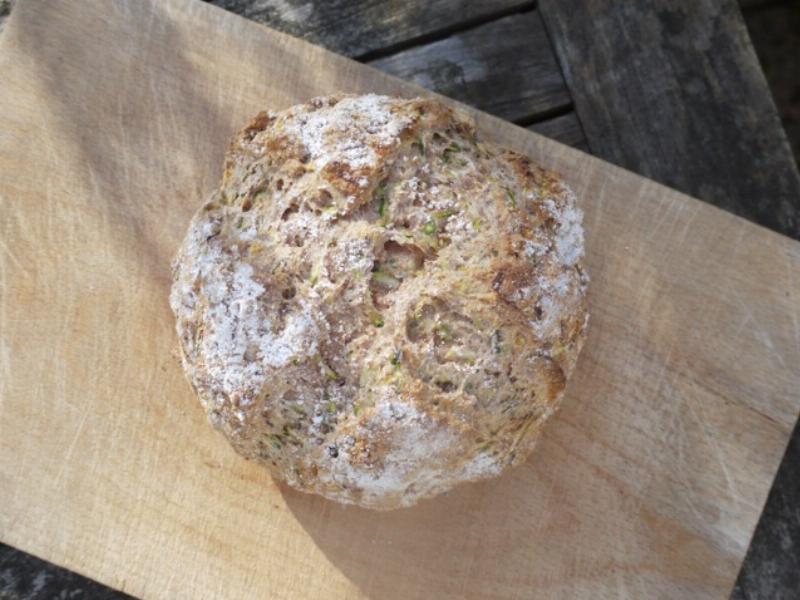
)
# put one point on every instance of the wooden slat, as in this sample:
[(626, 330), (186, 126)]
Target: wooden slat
[(506, 67), (357, 28), (25, 577), (775, 32), (677, 94), (564, 128), (747, 4), (5, 10)]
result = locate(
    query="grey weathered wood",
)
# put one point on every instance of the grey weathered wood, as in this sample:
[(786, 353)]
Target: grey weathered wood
[(357, 28), (25, 577), (775, 32), (506, 67), (756, 3), (564, 128), (5, 10), (676, 93)]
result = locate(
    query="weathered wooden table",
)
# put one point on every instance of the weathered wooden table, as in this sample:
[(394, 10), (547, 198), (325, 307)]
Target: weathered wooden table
[(672, 90)]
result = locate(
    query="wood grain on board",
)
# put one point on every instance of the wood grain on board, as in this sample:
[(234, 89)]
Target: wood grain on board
[(648, 87), (649, 482)]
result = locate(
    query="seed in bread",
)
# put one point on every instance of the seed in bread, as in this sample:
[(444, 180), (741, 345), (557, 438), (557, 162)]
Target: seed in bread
[(375, 304)]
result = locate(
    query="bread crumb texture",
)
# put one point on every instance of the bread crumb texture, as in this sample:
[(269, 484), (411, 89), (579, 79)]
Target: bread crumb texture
[(375, 304)]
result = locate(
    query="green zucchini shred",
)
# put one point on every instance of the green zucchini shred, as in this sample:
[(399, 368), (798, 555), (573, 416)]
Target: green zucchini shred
[(512, 198)]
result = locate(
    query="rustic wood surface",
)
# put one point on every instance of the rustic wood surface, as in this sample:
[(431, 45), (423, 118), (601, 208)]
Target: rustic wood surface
[(358, 29), (5, 10), (775, 32), (658, 111), (565, 129), (741, 163), (25, 577), (756, 3), (772, 566), (506, 68), (649, 483)]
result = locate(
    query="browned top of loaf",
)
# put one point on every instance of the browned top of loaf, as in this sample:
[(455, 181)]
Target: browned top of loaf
[(377, 305)]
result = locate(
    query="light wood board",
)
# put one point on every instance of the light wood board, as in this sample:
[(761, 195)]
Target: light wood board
[(115, 118)]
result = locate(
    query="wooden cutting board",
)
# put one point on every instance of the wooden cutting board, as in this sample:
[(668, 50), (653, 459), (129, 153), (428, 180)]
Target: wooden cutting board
[(115, 116)]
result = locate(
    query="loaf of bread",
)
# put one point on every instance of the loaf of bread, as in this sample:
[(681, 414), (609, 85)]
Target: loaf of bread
[(375, 304)]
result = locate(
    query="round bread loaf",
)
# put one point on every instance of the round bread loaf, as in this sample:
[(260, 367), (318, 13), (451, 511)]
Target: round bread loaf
[(375, 304)]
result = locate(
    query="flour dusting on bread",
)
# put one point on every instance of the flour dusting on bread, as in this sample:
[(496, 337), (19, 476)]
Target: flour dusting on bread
[(376, 305)]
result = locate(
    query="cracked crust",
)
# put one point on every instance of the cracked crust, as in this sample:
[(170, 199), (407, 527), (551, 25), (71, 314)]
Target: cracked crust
[(376, 305)]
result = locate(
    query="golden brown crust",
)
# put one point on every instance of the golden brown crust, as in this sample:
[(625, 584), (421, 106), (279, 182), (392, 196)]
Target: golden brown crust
[(375, 304)]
